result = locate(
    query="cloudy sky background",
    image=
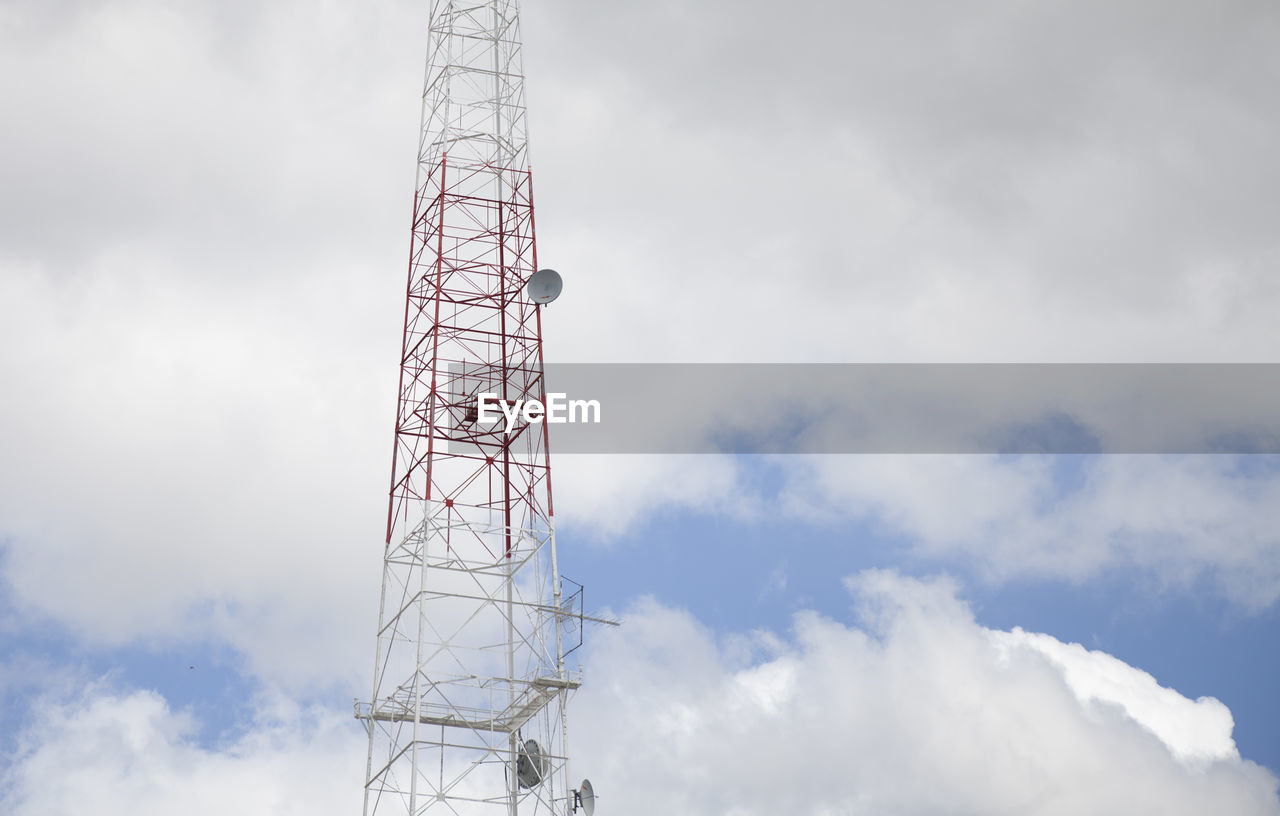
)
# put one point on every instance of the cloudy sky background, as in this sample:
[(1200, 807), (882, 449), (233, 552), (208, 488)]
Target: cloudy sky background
[(203, 228)]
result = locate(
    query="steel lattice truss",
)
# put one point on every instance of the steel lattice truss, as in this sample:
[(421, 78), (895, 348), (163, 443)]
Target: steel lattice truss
[(471, 638)]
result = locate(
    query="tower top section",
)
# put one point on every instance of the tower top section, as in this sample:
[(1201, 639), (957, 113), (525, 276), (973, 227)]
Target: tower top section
[(473, 105)]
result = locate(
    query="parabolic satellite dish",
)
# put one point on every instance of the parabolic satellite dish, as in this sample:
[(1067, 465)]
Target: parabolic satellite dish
[(544, 286), (531, 765), (586, 798)]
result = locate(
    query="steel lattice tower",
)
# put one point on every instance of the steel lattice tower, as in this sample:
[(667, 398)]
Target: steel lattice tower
[(473, 625)]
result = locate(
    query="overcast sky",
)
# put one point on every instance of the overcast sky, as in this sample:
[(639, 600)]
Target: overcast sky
[(203, 229)]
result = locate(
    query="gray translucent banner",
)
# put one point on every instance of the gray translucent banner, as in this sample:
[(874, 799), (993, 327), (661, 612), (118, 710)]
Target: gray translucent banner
[(899, 408)]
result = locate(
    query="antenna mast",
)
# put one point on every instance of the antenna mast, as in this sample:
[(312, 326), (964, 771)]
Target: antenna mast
[(470, 685)]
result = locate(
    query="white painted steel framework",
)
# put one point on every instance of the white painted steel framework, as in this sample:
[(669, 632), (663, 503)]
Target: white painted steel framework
[(469, 668), (474, 625)]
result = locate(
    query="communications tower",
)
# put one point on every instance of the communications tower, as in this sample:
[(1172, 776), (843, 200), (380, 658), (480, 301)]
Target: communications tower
[(470, 683)]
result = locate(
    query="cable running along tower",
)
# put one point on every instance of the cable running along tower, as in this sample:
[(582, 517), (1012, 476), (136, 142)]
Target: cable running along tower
[(470, 684)]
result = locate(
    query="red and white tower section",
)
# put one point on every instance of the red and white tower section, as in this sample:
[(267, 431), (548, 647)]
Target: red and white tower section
[(470, 683)]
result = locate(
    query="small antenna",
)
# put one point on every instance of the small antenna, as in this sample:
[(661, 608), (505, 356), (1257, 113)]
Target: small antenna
[(532, 765), (544, 286), (585, 797)]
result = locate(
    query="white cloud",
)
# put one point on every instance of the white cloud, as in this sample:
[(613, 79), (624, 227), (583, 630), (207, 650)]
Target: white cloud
[(915, 710), (196, 280), (214, 132), (183, 473), (1186, 522), (1198, 730), (918, 710), (607, 495), (1179, 523), (127, 752), (914, 183)]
